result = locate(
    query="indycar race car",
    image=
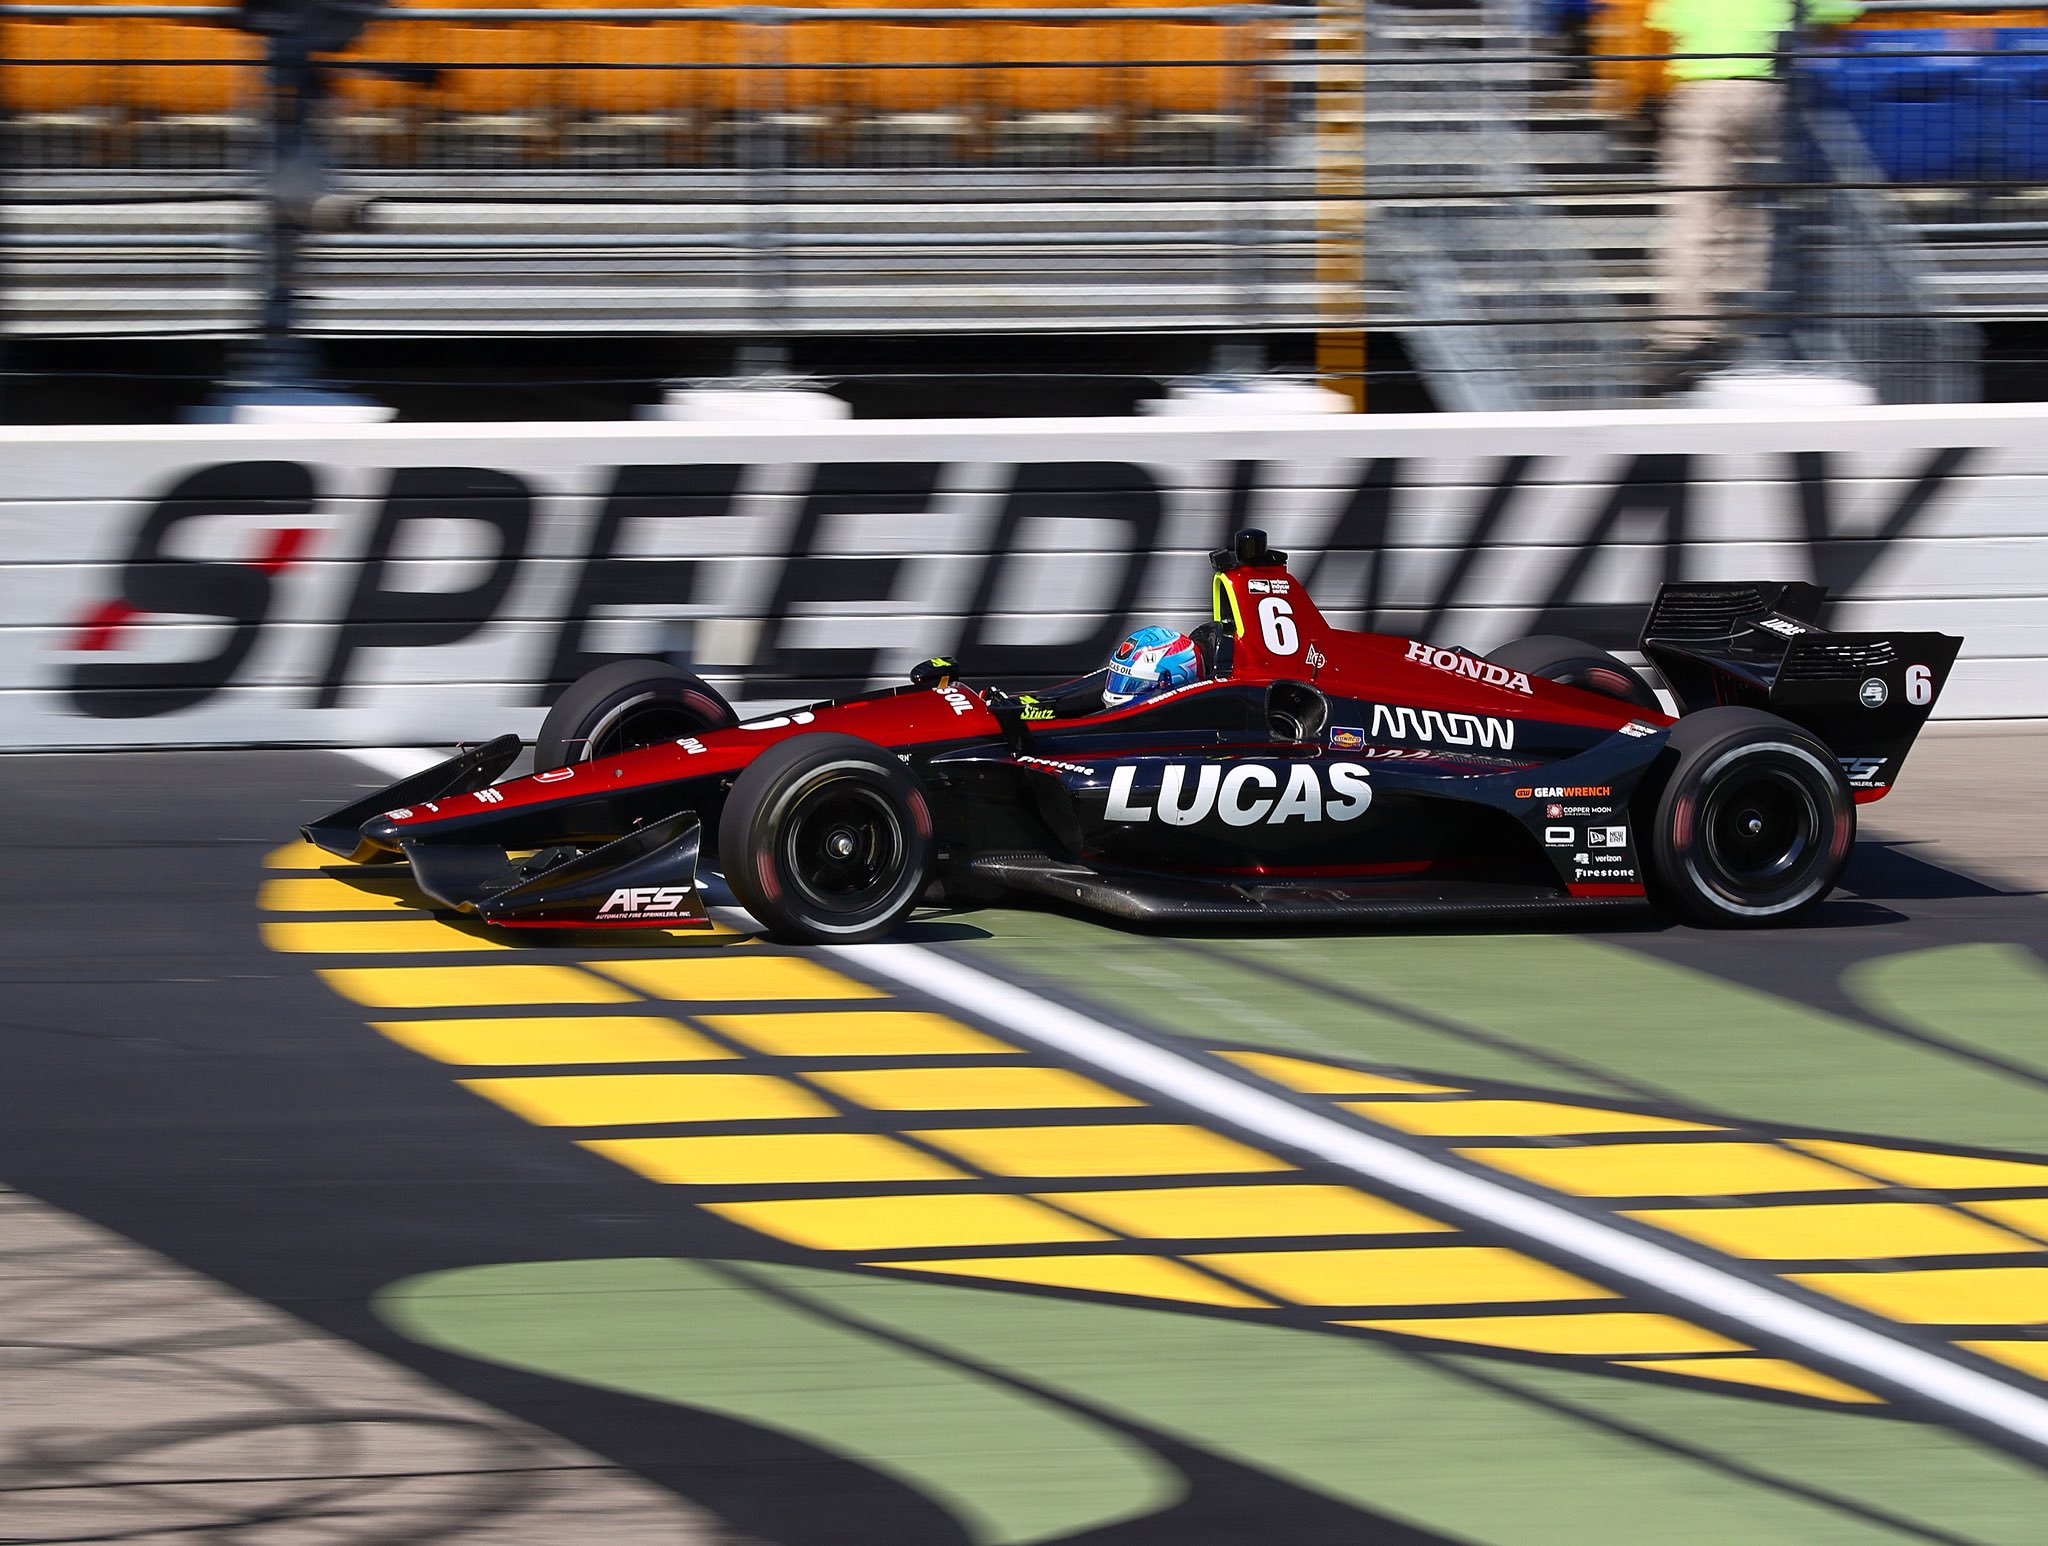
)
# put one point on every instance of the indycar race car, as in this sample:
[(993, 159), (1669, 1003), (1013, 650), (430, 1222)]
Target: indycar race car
[(1306, 773)]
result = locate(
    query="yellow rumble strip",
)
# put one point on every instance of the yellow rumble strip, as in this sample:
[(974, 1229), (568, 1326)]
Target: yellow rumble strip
[(832, 1116)]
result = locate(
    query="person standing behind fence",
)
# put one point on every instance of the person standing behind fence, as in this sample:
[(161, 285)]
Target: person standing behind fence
[(1720, 133)]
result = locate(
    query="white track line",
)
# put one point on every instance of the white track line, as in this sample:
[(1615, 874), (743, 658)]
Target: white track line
[(1614, 1255), (1889, 1363)]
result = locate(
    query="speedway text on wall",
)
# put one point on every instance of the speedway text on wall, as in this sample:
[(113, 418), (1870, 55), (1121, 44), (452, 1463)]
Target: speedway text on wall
[(380, 583)]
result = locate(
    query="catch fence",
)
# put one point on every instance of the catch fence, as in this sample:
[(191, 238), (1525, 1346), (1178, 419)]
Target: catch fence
[(1479, 179)]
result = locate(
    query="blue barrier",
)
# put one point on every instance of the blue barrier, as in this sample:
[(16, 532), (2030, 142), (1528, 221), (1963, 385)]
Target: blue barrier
[(1924, 119), (2022, 114)]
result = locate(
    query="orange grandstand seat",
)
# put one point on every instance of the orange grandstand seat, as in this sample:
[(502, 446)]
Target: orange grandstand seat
[(1050, 67), (1184, 69), (721, 48), (493, 69), (810, 54), (389, 41), (599, 92), (914, 67), (192, 69), (1943, 21), (58, 90)]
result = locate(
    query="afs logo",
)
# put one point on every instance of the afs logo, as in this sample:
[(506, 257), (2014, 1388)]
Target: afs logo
[(645, 902)]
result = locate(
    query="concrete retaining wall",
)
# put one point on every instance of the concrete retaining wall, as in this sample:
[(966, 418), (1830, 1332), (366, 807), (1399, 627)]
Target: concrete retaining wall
[(387, 583)]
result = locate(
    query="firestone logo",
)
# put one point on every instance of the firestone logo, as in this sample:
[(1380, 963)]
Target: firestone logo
[(1057, 766), (1458, 663)]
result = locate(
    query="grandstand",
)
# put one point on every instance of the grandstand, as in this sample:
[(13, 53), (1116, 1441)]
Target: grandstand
[(701, 170)]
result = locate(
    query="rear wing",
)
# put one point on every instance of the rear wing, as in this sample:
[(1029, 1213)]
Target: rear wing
[(1865, 695)]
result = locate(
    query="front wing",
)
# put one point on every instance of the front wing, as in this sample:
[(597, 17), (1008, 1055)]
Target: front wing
[(646, 879)]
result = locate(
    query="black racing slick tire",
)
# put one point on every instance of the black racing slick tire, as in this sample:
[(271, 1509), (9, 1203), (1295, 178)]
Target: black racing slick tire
[(827, 840), (626, 705), (1753, 824), (1576, 663)]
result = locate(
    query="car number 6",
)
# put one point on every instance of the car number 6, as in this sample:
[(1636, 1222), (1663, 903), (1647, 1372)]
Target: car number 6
[(1919, 685), (1276, 625)]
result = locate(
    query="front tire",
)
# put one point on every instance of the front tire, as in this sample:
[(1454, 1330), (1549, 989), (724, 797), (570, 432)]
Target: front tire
[(625, 705), (1754, 823), (827, 839), (1575, 663)]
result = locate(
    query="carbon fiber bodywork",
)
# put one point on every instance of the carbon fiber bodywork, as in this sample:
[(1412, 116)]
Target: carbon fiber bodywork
[(1312, 773)]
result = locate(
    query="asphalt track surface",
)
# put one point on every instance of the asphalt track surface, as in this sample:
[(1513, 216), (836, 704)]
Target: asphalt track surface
[(337, 1223)]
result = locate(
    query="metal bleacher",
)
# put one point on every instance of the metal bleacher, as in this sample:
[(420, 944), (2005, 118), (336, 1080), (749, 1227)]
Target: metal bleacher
[(693, 168), (689, 169)]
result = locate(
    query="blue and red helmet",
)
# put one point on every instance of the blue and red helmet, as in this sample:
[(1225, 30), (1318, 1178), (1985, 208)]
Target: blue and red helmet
[(1150, 660)]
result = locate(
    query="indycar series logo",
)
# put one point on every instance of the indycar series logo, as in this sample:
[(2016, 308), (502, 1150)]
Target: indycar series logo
[(1249, 794)]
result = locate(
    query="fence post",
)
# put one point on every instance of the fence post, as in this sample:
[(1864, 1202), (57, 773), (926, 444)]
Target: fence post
[(279, 370)]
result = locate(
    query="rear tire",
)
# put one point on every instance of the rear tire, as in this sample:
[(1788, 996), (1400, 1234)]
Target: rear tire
[(626, 705), (1753, 825), (827, 840), (1575, 663)]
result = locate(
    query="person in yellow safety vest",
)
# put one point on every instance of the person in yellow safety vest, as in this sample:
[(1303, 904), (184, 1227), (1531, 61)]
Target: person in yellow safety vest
[(1721, 127)]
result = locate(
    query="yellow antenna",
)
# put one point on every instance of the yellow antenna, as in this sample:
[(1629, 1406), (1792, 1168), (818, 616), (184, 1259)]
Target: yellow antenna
[(1221, 595)]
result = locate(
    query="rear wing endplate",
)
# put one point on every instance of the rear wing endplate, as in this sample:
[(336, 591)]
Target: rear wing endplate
[(1760, 643)]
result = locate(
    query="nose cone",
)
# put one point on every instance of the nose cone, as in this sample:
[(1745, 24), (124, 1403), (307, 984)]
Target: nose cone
[(381, 832)]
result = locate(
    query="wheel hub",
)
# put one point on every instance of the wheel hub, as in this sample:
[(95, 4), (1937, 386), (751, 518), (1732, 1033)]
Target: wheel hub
[(1763, 828), (844, 845)]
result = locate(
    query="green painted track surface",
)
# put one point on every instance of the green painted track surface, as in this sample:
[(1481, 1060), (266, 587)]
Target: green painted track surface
[(1038, 1420), (172, 1077), (1914, 1051)]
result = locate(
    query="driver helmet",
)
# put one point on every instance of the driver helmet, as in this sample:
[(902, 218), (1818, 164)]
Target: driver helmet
[(1149, 661)]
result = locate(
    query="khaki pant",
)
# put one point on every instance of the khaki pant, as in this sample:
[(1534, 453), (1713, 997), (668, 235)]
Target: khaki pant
[(1719, 140)]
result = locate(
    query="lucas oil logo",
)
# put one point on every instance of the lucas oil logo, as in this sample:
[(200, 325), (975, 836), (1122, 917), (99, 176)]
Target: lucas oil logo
[(1250, 794), (645, 902)]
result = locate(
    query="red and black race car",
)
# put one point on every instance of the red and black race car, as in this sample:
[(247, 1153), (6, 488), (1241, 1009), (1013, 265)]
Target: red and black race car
[(1310, 773)]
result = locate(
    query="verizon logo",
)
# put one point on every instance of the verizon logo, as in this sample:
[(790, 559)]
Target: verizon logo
[(1434, 727)]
